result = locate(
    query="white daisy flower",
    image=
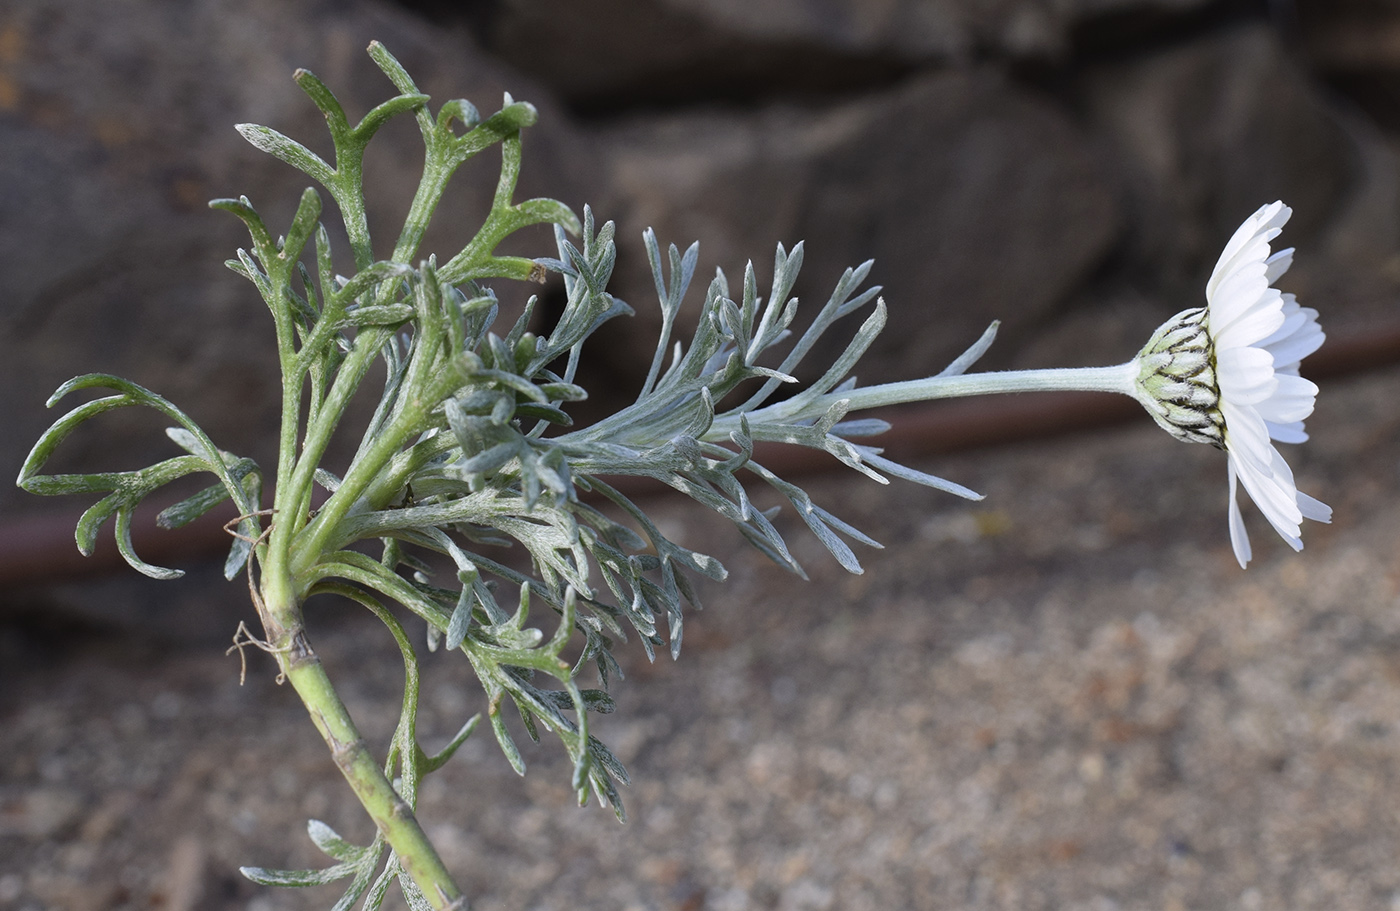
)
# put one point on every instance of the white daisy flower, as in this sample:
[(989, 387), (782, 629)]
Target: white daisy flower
[(1227, 374), (1224, 374)]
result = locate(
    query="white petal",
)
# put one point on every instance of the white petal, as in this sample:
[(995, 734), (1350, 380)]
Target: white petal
[(1259, 223), (1277, 499), (1246, 437), (1293, 400), (1236, 294), (1250, 242), (1260, 335), (1279, 263), (1316, 510), (1239, 537), (1289, 350), (1245, 375), (1293, 319), (1287, 433), (1251, 327)]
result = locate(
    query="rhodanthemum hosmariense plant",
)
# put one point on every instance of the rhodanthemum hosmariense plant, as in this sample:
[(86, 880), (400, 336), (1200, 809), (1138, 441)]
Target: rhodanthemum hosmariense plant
[(471, 446)]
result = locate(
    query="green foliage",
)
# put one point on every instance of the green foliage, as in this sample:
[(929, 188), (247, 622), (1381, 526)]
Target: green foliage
[(472, 446), (238, 478)]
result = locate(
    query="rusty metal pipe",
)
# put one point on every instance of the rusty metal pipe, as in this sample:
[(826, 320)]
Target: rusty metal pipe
[(40, 548)]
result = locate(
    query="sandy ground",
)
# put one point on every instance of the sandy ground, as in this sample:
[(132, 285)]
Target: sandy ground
[(1067, 696)]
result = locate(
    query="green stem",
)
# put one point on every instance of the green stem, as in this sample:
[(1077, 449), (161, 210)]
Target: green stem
[(436, 173), (396, 474), (349, 195), (285, 500), (314, 541), (427, 382), (295, 480), (798, 408), (391, 813)]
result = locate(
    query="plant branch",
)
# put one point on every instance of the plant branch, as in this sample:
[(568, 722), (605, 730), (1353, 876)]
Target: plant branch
[(392, 814)]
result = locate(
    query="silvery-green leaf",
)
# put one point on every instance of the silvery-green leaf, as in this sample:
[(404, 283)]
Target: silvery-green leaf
[(266, 877), (331, 843)]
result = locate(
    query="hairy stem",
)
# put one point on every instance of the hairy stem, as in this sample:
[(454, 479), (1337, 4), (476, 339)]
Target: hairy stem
[(802, 407), (391, 813)]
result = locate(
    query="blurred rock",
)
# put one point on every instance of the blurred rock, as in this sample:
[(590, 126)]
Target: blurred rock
[(977, 201), (1351, 34), (598, 52), (1210, 130), (38, 812), (116, 127), (1354, 45), (1207, 131), (926, 29)]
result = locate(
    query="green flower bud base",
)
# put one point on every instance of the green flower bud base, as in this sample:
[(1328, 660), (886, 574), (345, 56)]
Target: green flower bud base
[(1177, 381)]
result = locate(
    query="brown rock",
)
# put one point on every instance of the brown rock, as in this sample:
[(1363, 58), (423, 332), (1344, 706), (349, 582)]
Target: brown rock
[(1209, 131), (976, 200), (927, 29), (598, 52), (1352, 35), (117, 127)]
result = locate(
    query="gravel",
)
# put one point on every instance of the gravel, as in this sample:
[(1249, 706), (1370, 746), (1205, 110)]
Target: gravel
[(1065, 696)]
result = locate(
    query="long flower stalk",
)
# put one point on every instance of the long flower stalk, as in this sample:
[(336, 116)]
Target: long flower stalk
[(1121, 378)]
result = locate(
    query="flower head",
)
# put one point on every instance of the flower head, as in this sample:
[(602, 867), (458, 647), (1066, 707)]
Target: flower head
[(1227, 374)]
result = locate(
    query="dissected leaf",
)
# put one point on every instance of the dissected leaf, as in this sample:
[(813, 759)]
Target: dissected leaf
[(266, 877)]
